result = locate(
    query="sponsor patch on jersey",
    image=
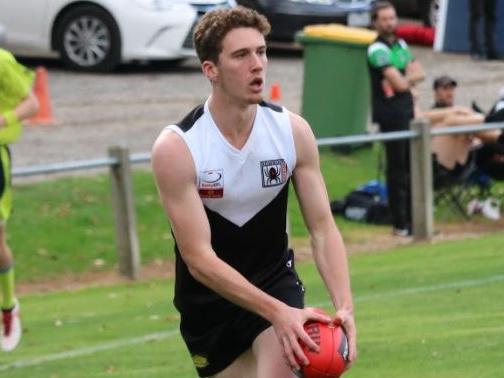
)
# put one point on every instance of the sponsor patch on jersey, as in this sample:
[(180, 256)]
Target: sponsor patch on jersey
[(200, 361), (273, 172), (211, 183)]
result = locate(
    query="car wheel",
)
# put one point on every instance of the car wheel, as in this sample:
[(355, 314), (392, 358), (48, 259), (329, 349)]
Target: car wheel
[(88, 39)]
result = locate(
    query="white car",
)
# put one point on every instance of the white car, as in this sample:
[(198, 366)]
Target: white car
[(2, 34), (95, 35)]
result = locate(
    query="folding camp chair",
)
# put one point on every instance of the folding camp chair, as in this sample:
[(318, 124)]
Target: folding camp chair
[(457, 190)]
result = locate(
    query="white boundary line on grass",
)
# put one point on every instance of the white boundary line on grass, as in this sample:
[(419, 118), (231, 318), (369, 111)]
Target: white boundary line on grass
[(422, 289), (168, 334), (91, 350)]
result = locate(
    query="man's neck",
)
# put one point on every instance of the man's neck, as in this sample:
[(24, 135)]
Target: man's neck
[(389, 38), (234, 120)]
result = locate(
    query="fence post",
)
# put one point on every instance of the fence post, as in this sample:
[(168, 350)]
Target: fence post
[(421, 180), (122, 198)]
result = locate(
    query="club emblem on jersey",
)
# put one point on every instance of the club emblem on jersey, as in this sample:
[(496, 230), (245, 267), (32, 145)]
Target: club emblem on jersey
[(274, 172), (211, 183)]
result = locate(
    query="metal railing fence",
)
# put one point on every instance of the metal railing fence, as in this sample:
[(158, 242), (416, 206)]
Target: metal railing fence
[(119, 162)]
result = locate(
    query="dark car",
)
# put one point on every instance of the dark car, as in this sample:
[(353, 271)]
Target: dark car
[(426, 10), (289, 16)]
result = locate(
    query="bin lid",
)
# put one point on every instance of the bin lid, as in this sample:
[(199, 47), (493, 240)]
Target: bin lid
[(339, 33)]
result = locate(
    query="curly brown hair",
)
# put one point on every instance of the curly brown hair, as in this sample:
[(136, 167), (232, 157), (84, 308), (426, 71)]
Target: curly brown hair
[(214, 25)]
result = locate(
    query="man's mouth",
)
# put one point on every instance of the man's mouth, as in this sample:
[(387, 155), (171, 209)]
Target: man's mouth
[(257, 83)]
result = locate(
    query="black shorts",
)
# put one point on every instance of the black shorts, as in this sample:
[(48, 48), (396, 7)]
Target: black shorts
[(218, 333), (446, 177)]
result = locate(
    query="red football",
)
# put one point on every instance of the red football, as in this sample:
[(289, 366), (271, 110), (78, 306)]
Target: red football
[(331, 360)]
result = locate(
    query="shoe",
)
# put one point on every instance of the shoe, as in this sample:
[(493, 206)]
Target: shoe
[(11, 328), (474, 206), (402, 232), (491, 209)]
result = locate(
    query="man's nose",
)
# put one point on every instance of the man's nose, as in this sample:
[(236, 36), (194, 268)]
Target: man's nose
[(257, 62)]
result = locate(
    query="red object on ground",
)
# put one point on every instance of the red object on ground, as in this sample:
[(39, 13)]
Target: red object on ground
[(415, 34), (41, 91), (275, 92)]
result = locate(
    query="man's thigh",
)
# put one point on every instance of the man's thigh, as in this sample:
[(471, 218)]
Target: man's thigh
[(264, 360), (269, 356)]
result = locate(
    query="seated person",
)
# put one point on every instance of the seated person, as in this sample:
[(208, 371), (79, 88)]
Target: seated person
[(452, 154)]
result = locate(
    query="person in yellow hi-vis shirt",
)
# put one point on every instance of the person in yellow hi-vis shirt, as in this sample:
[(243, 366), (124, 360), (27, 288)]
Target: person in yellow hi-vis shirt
[(17, 102)]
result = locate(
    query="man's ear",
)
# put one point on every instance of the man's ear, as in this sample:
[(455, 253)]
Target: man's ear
[(210, 70)]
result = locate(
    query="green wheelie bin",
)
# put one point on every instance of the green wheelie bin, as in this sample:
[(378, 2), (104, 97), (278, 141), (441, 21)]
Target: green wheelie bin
[(336, 89)]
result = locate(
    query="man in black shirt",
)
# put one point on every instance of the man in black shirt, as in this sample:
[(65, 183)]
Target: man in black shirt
[(393, 72)]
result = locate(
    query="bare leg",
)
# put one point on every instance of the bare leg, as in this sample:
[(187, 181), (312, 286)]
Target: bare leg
[(6, 272), (5, 252)]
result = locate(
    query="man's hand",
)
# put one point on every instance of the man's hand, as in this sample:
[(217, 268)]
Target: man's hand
[(415, 72), (288, 324), (346, 320), (462, 110)]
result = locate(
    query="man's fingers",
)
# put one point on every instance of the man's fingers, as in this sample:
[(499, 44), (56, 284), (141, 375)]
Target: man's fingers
[(291, 359), (308, 341), (298, 351), (352, 356), (346, 321)]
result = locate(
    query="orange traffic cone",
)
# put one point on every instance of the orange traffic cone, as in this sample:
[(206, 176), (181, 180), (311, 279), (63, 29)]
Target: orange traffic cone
[(275, 92), (41, 91)]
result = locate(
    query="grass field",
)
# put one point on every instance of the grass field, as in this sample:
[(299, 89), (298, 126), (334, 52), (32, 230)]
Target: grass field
[(422, 311)]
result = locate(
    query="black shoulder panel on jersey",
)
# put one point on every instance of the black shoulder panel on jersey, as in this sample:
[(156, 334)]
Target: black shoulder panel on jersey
[(274, 107), (191, 118)]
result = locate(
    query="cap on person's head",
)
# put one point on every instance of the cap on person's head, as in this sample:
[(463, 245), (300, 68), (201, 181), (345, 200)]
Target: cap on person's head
[(444, 81)]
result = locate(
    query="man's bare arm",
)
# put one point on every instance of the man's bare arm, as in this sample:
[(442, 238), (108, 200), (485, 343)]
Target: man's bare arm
[(415, 72), (328, 249), (396, 79)]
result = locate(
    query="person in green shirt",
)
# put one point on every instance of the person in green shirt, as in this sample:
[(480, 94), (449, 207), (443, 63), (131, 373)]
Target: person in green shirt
[(393, 73), (17, 102)]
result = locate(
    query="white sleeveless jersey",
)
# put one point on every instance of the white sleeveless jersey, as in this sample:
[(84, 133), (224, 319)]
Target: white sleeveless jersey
[(234, 183), (244, 192)]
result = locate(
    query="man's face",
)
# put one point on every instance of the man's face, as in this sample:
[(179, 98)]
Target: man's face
[(445, 95), (386, 22), (241, 69)]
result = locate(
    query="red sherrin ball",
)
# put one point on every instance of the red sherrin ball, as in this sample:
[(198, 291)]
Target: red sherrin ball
[(332, 357)]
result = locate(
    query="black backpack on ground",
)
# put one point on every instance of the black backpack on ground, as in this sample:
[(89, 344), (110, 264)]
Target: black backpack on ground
[(367, 204)]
